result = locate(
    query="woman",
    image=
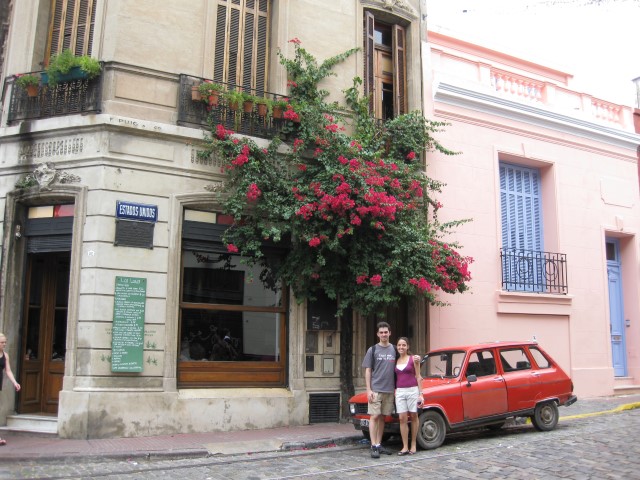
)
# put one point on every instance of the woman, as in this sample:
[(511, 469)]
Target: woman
[(408, 394), (5, 365)]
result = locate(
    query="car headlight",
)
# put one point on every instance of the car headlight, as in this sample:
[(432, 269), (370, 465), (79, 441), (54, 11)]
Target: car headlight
[(352, 408)]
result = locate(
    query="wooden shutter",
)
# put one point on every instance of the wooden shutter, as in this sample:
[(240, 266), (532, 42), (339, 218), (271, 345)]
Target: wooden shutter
[(369, 52), (71, 26), (241, 43), (399, 71), (520, 202)]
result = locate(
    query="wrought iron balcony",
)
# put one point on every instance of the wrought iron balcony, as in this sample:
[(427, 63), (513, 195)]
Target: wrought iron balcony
[(534, 271), (197, 113), (66, 98)]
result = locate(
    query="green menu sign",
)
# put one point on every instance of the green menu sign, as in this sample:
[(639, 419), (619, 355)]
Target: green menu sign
[(127, 337)]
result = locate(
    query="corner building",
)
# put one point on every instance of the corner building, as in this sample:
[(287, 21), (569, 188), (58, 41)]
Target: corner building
[(120, 320)]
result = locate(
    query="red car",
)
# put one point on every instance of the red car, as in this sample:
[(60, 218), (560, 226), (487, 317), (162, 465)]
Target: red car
[(481, 386)]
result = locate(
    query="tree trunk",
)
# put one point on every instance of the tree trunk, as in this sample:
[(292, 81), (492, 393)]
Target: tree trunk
[(346, 363)]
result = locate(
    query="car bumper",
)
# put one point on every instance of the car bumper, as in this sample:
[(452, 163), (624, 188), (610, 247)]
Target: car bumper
[(572, 399), (363, 424)]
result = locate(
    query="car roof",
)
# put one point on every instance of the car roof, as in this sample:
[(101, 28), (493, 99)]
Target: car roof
[(477, 346)]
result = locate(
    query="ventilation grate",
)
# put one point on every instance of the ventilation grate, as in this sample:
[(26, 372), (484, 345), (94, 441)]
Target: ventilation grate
[(324, 407)]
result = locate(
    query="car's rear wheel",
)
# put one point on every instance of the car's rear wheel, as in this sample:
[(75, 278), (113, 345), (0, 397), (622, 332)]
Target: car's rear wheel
[(432, 430), (545, 416)]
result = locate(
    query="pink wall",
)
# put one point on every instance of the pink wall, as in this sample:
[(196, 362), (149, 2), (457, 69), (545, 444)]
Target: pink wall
[(588, 166)]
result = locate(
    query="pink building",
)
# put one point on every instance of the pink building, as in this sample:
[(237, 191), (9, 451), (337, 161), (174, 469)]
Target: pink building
[(549, 176)]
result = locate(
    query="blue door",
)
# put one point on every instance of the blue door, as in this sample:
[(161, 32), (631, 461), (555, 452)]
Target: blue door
[(616, 309)]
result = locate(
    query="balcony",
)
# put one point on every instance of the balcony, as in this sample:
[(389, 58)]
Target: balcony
[(72, 97), (534, 271), (197, 114)]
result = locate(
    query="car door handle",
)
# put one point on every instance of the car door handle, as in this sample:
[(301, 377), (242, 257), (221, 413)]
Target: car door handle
[(535, 374), (498, 379)]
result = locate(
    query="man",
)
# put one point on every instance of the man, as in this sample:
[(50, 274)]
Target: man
[(380, 379)]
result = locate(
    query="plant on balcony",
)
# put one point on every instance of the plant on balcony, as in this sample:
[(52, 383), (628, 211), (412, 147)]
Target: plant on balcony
[(279, 106), (65, 66), (234, 98), (28, 82), (264, 106), (361, 222), (248, 101), (210, 92)]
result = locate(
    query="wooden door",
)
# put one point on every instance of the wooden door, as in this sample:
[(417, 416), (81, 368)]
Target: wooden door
[(44, 329)]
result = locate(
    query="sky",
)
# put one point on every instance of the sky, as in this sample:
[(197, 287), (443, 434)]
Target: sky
[(594, 40)]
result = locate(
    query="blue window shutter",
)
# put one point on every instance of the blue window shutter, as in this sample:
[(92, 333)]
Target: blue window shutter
[(520, 202)]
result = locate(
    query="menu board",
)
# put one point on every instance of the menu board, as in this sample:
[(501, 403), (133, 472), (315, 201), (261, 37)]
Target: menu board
[(127, 337)]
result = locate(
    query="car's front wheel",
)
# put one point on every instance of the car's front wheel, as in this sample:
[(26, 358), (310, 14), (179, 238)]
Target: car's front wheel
[(432, 430), (545, 417)]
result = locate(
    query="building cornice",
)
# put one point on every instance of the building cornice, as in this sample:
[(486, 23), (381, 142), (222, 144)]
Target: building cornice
[(490, 104)]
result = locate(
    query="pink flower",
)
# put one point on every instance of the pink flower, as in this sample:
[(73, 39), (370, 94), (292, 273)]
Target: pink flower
[(253, 192), (295, 40), (361, 279), (314, 242), (302, 167), (315, 276), (411, 155), (231, 248), (376, 280)]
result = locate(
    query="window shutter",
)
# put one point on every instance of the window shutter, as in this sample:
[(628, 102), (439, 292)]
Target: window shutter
[(399, 71), (369, 45), (220, 45), (71, 27), (520, 202)]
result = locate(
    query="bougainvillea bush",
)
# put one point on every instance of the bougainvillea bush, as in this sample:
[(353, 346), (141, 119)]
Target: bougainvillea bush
[(347, 195)]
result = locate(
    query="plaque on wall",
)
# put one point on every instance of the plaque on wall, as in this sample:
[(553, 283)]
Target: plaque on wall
[(127, 334)]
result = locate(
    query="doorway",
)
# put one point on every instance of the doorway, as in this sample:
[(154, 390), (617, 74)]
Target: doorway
[(397, 316), (616, 308), (44, 332)]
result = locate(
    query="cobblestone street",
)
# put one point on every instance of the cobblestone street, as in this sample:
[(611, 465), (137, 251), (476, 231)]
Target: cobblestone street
[(598, 447)]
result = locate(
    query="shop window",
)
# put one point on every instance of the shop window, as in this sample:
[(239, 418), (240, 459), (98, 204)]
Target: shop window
[(71, 26), (232, 317), (385, 67), (241, 43)]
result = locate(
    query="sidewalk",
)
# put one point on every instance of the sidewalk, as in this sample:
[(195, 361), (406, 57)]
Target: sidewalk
[(27, 447)]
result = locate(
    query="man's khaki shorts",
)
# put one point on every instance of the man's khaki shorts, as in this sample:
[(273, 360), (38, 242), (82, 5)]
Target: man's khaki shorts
[(382, 403)]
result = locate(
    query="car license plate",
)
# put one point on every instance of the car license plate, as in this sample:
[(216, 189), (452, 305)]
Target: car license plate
[(364, 423)]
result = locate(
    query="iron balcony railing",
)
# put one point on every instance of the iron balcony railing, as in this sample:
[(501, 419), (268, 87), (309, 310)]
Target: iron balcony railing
[(534, 271), (66, 98), (197, 113)]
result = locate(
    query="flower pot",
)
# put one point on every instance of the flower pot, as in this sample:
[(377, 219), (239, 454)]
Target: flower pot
[(262, 109), (277, 112), (213, 99), (234, 106), (247, 106), (195, 93), (75, 73), (32, 90)]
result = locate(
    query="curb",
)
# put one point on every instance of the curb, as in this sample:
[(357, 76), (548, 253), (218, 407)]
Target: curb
[(139, 455), (618, 409), (320, 443)]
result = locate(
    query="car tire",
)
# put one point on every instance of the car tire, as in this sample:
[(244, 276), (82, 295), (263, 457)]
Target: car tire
[(545, 416), (432, 430)]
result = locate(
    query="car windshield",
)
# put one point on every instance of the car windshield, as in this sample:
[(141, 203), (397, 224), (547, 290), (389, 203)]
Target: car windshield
[(442, 364)]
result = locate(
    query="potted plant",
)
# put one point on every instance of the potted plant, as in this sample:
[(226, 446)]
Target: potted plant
[(30, 83), (279, 106), (247, 103), (65, 66), (210, 92), (234, 98), (264, 106)]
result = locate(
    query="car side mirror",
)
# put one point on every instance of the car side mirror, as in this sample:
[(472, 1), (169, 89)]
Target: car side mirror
[(471, 379)]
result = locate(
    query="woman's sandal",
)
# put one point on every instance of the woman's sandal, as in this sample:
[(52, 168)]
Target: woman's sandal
[(410, 452), (2, 442), (405, 452)]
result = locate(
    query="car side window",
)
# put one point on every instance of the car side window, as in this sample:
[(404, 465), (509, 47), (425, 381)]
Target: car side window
[(481, 364), (539, 358), (514, 359)]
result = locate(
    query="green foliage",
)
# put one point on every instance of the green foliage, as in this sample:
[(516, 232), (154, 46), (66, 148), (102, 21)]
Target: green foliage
[(357, 210), (208, 88), (24, 81), (62, 63)]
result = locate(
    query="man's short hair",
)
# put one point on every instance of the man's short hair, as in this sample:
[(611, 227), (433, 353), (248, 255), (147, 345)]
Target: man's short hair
[(382, 325)]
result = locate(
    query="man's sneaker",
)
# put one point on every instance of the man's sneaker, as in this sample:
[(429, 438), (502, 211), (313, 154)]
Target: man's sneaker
[(375, 451), (381, 449)]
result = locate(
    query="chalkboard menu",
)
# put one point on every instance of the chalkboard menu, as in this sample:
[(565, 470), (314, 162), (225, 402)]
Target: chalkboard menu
[(127, 340)]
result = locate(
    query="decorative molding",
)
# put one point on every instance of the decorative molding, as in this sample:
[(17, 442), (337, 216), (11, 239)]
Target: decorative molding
[(46, 175), (29, 151), (400, 8), (214, 187), (481, 102)]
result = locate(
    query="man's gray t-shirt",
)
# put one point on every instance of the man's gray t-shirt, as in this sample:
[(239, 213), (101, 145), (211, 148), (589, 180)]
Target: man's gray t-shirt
[(382, 377)]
